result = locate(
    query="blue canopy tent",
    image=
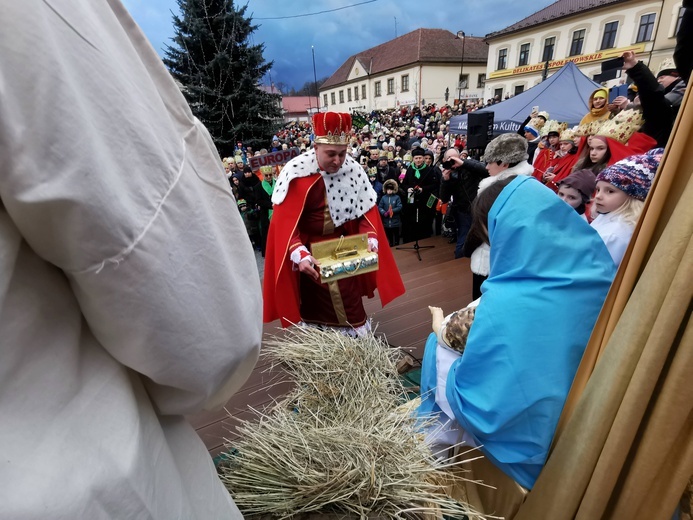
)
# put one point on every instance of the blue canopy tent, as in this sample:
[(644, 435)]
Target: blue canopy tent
[(563, 95)]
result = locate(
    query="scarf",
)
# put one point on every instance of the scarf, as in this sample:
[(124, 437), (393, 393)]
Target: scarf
[(417, 173), (269, 188)]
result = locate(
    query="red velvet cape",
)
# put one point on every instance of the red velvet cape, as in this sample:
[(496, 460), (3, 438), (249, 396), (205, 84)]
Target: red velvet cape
[(280, 288)]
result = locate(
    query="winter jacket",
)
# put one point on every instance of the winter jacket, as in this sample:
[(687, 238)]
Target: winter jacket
[(387, 202), (463, 184)]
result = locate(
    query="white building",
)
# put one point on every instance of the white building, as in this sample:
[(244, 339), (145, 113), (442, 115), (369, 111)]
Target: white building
[(420, 67), (587, 32)]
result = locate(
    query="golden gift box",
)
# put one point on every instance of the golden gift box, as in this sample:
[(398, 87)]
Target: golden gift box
[(344, 257)]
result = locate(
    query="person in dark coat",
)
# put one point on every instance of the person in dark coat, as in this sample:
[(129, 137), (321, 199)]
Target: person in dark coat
[(460, 183), (421, 184)]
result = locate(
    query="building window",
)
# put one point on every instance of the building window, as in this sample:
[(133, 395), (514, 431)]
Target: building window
[(645, 30), (502, 59), (405, 83), (356, 93), (332, 98), (609, 38), (678, 20), (363, 91), (549, 44), (341, 96), (481, 82), (462, 81), (348, 94), (578, 41), (391, 86), (377, 89), (519, 89), (324, 100), (498, 93), (524, 55)]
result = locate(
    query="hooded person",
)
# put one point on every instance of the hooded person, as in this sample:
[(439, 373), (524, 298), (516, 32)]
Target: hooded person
[(246, 187), (577, 189), (598, 106), (319, 195), (505, 392), (506, 155)]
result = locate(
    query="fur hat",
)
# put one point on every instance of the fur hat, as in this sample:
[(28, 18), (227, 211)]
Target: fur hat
[(507, 148), (633, 175), (391, 184), (582, 180), (418, 151)]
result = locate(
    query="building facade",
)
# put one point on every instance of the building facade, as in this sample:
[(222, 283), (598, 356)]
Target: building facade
[(420, 67), (585, 32)]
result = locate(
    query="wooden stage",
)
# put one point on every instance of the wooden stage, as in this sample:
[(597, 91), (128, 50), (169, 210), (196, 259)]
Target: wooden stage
[(438, 280)]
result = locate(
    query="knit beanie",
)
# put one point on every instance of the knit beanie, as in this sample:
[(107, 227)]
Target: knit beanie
[(507, 148), (633, 175), (582, 180), (532, 130)]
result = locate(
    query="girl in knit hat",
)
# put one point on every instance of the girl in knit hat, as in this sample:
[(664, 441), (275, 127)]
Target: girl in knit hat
[(619, 200)]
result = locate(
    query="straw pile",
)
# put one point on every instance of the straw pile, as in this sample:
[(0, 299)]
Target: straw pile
[(342, 442)]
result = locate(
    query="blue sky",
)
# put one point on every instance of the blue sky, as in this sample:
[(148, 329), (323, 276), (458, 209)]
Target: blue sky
[(336, 35)]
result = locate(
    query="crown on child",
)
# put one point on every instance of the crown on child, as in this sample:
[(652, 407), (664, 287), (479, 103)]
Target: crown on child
[(623, 126)]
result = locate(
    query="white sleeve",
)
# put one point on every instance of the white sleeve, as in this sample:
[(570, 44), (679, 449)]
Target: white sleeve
[(109, 177)]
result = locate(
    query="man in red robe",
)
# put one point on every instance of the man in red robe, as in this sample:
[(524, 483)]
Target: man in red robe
[(319, 195)]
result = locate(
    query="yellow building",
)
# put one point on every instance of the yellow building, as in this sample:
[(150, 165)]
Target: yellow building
[(423, 66), (587, 32)]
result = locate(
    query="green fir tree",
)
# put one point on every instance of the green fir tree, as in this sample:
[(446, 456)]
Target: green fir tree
[(221, 73)]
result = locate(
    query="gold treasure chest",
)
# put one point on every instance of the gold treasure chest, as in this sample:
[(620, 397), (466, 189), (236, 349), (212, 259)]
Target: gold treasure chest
[(344, 257)]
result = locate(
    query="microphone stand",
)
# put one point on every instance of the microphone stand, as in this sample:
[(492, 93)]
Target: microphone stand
[(416, 247)]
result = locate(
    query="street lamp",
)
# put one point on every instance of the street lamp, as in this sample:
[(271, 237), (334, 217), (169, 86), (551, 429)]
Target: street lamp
[(461, 36), (315, 78)]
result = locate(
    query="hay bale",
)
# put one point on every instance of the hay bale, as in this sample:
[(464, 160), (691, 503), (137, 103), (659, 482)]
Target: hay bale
[(345, 441)]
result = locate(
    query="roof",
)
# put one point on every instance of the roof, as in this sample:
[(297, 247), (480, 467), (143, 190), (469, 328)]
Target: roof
[(421, 45), (298, 104), (563, 95), (553, 12)]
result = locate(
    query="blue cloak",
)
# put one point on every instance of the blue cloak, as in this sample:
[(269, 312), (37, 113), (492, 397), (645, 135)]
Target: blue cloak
[(550, 273)]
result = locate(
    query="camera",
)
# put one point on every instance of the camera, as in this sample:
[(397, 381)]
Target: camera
[(449, 164)]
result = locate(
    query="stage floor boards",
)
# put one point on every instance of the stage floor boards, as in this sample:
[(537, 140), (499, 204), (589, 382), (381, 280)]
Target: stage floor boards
[(437, 280)]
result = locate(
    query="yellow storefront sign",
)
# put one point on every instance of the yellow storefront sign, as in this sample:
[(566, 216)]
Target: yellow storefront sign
[(578, 60)]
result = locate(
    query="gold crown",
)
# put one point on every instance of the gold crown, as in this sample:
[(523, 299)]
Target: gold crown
[(567, 135), (537, 122), (623, 126), (267, 169), (553, 126), (591, 128)]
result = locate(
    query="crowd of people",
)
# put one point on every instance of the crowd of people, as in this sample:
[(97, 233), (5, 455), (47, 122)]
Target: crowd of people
[(428, 180), (571, 198)]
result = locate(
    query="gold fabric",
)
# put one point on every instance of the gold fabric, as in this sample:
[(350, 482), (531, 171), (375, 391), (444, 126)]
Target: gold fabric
[(624, 445)]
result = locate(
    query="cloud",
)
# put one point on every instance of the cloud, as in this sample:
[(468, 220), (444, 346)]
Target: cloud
[(339, 34)]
